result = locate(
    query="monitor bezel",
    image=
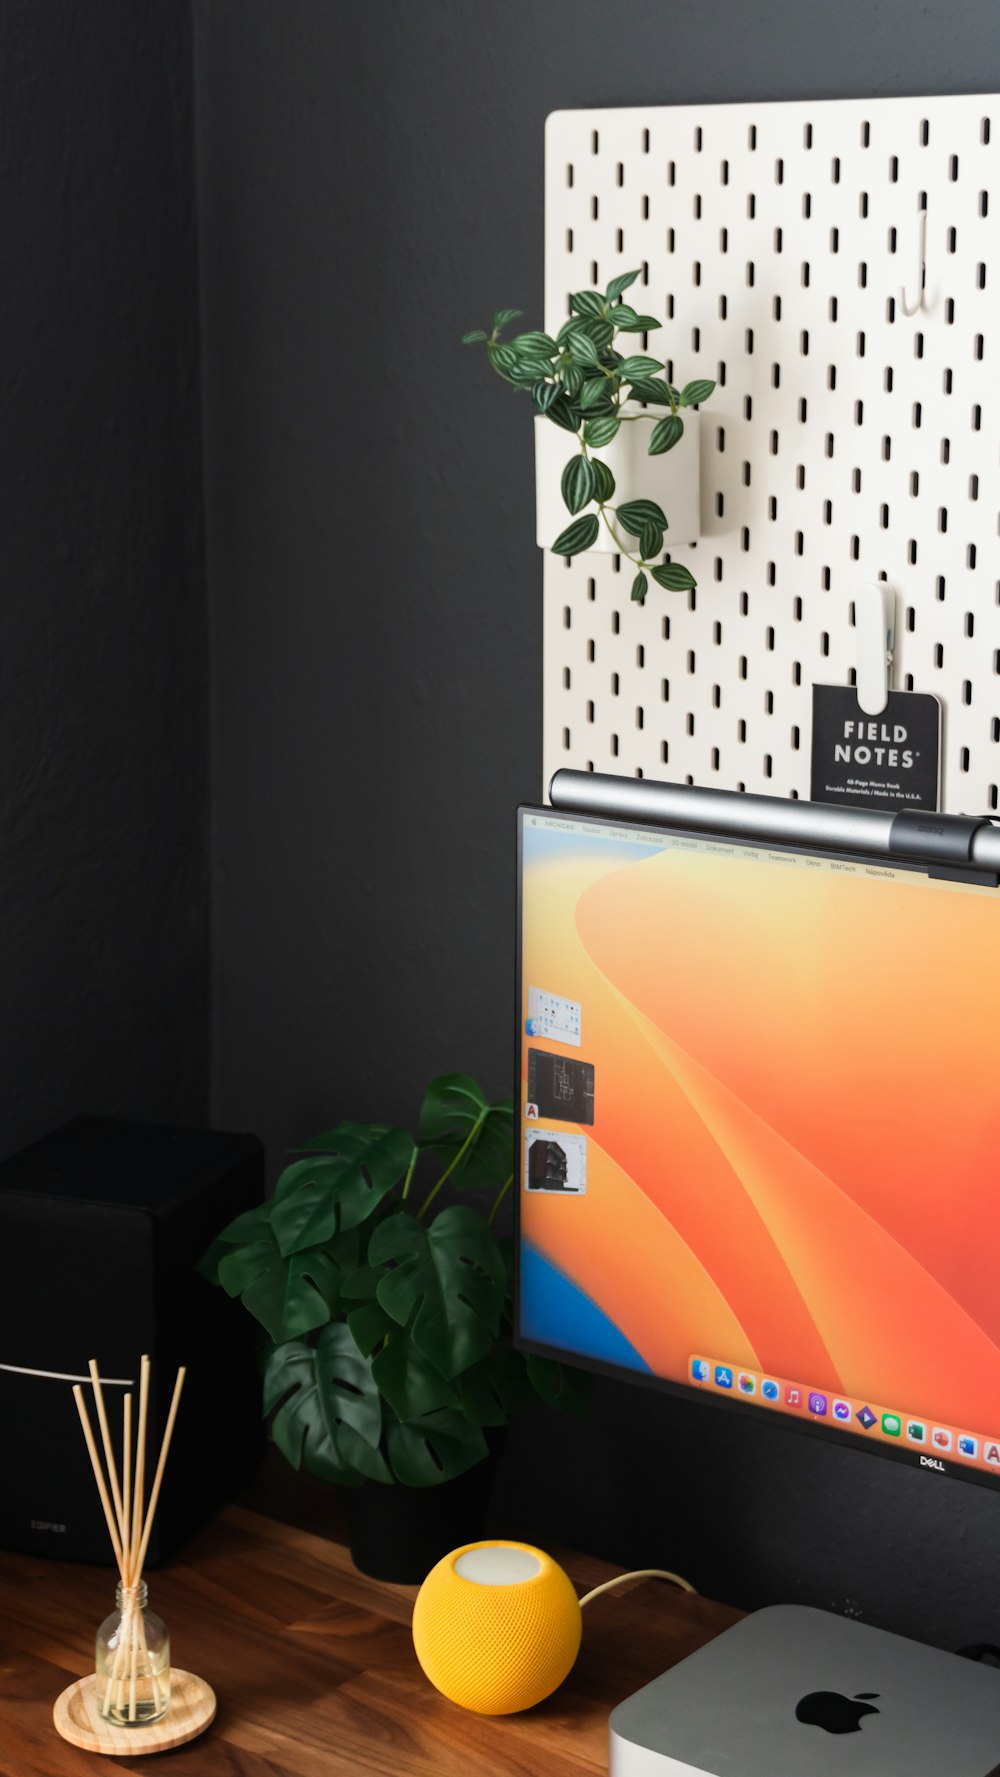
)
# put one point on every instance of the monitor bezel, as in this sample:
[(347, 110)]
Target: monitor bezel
[(938, 1468)]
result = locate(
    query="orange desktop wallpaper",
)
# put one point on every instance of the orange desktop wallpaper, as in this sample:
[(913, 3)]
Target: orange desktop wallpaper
[(790, 1168)]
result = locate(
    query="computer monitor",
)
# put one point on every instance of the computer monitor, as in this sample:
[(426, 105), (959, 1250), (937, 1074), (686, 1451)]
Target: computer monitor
[(759, 1121)]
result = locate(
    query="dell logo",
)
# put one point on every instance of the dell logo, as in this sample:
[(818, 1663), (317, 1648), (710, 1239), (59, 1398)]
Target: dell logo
[(932, 1462)]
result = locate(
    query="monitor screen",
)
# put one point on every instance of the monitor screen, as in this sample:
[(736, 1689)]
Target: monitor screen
[(759, 1099)]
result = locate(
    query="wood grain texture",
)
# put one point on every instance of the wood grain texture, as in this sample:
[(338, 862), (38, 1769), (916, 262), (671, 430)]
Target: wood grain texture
[(77, 1718), (314, 1667)]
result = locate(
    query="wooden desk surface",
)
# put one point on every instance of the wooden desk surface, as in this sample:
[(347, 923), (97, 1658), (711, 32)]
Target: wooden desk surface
[(314, 1667)]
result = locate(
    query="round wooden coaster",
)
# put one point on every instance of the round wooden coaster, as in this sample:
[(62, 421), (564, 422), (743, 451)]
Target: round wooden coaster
[(77, 1717)]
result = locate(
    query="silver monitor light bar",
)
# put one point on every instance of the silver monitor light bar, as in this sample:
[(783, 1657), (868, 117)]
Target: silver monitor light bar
[(945, 843)]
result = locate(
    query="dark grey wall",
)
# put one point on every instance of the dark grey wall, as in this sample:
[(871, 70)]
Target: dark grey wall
[(103, 646), (371, 185)]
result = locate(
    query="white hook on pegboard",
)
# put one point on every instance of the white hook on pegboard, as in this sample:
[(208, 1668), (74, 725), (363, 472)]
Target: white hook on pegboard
[(875, 622), (921, 272)]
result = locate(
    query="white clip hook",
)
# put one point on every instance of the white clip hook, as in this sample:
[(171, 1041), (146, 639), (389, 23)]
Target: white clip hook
[(921, 272), (875, 621)]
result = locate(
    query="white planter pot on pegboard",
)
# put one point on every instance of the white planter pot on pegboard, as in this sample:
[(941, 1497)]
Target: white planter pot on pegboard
[(672, 480)]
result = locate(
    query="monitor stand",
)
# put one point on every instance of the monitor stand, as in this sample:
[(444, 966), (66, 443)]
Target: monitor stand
[(791, 1690)]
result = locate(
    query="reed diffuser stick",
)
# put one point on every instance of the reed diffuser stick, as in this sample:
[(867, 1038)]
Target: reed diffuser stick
[(95, 1463), (139, 1503), (138, 1506), (136, 1558), (154, 1494), (127, 1471), (109, 1454)]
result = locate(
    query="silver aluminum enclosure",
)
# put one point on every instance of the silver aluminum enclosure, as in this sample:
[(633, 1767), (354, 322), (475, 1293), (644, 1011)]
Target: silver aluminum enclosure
[(961, 842)]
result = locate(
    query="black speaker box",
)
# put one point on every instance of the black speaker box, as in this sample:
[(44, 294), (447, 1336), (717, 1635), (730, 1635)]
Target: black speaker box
[(101, 1226)]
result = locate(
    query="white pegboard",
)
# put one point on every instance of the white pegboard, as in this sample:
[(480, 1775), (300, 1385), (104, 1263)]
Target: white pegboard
[(844, 442)]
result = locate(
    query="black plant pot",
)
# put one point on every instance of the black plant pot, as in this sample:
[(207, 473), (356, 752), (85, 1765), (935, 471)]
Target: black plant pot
[(399, 1533)]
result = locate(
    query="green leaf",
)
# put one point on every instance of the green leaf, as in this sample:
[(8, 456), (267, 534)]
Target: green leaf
[(635, 513), (627, 321), (455, 1109), (504, 317), (562, 413), (250, 1225), (601, 430), (665, 434), (247, 1225), (473, 338), (411, 1385), (363, 1281), (604, 481), (694, 393), (654, 389), (534, 345), (208, 1264), (673, 577), (571, 377), (577, 537), (582, 349), (503, 358), (588, 302), (595, 393), (578, 483), (622, 282), (434, 1448), (562, 1385), (446, 1281), (529, 370), (543, 394), (289, 1296), (640, 586), (650, 540), (495, 1388), (595, 328), (369, 1325), (639, 367), (304, 1211), (329, 1414), (365, 1161)]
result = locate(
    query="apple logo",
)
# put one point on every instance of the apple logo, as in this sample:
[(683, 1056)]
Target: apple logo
[(834, 1712)]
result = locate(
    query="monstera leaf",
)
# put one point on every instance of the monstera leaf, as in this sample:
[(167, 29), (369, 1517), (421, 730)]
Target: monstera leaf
[(496, 1387), (407, 1380), (348, 1172), (253, 1224), (434, 1448), (561, 1385), (446, 1282), (455, 1112), (329, 1413), (288, 1295)]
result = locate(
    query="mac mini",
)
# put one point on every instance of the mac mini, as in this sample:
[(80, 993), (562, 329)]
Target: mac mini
[(796, 1692)]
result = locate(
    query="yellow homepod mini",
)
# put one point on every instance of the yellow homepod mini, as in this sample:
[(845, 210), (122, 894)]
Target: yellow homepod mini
[(497, 1626)]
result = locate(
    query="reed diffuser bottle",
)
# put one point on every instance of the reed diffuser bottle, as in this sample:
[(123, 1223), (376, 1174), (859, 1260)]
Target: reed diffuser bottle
[(133, 1647), (133, 1661)]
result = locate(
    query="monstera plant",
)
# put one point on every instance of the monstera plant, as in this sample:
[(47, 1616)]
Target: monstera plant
[(386, 1329)]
